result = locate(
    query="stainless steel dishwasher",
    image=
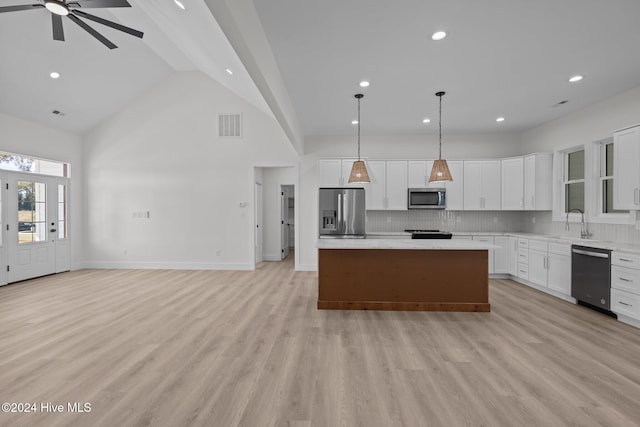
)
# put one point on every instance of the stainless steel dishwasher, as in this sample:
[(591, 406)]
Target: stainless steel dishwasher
[(591, 277)]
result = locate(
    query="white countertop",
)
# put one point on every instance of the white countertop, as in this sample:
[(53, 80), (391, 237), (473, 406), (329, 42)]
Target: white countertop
[(571, 240), (422, 244)]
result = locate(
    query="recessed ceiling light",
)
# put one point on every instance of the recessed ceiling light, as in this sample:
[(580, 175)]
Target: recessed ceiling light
[(57, 7), (364, 83), (229, 71), (179, 4), (576, 78), (354, 122), (500, 119), (54, 75), (426, 121), (438, 35)]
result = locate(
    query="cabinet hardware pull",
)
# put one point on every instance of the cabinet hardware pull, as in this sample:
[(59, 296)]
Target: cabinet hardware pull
[(626, 260), (624, 303), (625, 280)]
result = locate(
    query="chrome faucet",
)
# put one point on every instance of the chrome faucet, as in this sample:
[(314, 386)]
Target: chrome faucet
[(584, 233)]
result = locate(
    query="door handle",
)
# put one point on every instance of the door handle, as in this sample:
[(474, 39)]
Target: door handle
[(53, 230)]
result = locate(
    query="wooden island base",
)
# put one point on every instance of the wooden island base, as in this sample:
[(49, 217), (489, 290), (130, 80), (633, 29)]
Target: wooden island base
[(403, 280)]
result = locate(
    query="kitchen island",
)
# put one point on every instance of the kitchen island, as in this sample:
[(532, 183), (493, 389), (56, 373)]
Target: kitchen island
[(400, 274)]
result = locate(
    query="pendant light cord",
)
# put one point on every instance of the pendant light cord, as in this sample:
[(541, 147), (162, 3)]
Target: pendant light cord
[(359, 126), (440, 127)]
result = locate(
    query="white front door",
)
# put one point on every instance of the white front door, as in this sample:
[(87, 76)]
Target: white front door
[(37, 240)]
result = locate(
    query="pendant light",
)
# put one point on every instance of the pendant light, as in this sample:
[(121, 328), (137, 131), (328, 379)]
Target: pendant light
[(440, 171), (359, 172)]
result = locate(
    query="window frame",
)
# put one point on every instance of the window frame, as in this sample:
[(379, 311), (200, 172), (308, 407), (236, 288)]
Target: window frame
[(566, 181)]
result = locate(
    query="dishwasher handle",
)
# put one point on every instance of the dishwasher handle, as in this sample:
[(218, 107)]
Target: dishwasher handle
[(587, 253)]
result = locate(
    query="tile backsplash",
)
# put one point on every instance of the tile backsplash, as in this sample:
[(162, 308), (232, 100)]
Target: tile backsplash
[(498, 221), (454, 221)]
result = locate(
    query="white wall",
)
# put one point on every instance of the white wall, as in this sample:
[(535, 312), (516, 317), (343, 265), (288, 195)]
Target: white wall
[(273, 178), (382, 147), (162, 154), (593, 123), (23, 137)]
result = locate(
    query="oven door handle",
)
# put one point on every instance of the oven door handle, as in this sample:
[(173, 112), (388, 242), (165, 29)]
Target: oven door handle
[(593, 254)]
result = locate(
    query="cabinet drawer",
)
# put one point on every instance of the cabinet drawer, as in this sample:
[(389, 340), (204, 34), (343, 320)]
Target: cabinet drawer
[(625, 303), (538, 245), (523, 243), (523, 271), (625, 259), (523, 256), (560, 249), (627, 279)]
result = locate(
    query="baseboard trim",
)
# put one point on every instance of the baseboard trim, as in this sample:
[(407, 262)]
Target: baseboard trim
[(271, 257), (307, 267), (159, 265)]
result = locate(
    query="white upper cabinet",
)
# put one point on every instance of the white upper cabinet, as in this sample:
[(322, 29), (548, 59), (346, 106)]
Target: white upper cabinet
[(482, 185), (375, 190), (626, 173), (455, 188), (330, 173), (538, 182), (396, 188), (417, 174), (335, 173), (513, 184)]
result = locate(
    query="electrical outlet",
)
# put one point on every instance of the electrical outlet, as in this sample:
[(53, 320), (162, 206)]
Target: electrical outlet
[(388, 219), (495, 219), (458, 218), (533, 219), (124, 251), (218, 252)]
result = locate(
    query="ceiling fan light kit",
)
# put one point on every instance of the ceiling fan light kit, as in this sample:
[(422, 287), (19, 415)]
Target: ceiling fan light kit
[(70, 9)]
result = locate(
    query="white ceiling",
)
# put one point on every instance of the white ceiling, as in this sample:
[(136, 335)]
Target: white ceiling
[(96, 82), (508, 58)]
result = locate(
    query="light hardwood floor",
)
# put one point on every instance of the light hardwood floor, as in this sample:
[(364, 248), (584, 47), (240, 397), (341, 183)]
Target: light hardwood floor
[(211, 348)]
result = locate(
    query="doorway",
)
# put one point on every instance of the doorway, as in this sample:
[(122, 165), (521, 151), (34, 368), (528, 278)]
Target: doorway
[(36, 240), (287, 220)]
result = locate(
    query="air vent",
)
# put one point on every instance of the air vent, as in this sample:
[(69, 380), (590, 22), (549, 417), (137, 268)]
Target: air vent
[(58, 113), (230, 125)]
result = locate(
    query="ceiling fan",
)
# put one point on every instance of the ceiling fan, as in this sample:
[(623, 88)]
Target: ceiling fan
[(71, 9)]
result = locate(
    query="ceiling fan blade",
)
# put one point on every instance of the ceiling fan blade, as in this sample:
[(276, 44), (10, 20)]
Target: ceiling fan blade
[(91, 31), (21, 7), (100, 3), (109, 23), (58, 32)]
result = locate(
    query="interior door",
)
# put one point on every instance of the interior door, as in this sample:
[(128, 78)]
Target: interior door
[(37, 240)]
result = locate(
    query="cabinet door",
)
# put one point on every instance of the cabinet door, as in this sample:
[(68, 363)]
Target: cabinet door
[(513, 184), (626, 174), (329, 173), (417, 174), (491, 183), (530, 183), (396, 185), (454, 188), (559, 273), (501, 261), (488, 239), (472, 185), (538, 267), (375, 190), (513, 256)]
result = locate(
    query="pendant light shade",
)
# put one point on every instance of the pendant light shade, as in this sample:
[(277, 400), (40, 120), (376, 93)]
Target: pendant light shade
[(440, 171), (359, 172)]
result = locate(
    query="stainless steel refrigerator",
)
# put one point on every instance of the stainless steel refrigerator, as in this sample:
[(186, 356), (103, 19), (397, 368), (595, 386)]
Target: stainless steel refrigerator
[(341, 213)]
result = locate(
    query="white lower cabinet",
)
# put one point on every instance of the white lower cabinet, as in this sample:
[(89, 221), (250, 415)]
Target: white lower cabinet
[(625, 284), (501, 255), (523, 258), (513, 255), (538, 252), (559, 268), (488, 239)]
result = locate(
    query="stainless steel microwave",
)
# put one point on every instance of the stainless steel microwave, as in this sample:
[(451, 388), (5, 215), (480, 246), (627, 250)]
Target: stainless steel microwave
[(427, 198)]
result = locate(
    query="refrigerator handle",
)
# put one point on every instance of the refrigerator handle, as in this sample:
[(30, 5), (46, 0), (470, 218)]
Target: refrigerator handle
[(340, 225)]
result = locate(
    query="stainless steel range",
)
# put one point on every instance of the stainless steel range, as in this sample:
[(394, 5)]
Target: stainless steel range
[(429, 234)]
